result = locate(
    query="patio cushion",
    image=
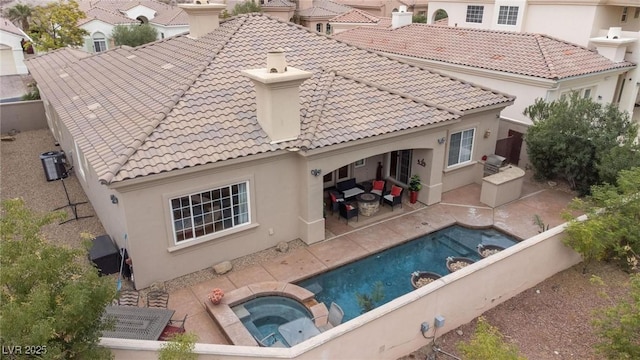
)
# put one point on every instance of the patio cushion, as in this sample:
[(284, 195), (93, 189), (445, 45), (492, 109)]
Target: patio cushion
[(396, 191), (349, 207), (378, 185)]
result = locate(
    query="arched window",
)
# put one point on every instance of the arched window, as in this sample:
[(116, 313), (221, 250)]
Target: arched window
[(99, 42), (142, 19), (328, 29), (319, 27)]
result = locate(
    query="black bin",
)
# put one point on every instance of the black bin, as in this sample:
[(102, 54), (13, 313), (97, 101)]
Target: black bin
[(104, 254), (53, 165)]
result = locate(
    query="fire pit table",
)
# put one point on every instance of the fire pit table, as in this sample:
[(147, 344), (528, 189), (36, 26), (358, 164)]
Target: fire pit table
[(368, 203)]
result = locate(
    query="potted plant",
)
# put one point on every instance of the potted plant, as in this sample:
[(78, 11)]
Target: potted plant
[(215, 296), (414, 186)]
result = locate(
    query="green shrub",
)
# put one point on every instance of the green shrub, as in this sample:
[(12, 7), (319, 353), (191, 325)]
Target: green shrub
[(487, 344)]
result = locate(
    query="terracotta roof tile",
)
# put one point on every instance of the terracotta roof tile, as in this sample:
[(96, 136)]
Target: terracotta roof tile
[(8, 26), (355, 16), (113, 12), (278, 3), (153, 120), (323, 8), (518, 53)]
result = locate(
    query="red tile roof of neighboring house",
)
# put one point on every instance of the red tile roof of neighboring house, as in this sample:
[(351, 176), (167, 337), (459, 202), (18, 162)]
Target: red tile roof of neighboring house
[(518, 53), (113, 11), (278, 3), (355, 16), (324, 8), (183, 102), (8, 26)]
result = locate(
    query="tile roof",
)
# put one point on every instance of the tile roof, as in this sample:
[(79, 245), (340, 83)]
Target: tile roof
[(182, 102), (518, 53), (8, 26), (355, 16), (278, 3), (324, 8), (113, 11)]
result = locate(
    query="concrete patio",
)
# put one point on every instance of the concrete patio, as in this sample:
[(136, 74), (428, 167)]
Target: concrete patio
[(22, 176)]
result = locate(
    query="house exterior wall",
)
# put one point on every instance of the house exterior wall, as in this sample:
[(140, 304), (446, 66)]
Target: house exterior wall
[(140, 10), (169, 31), (94, 27), (552, 20), (273, 184), (22, 116), (12, 55), (457, 12)]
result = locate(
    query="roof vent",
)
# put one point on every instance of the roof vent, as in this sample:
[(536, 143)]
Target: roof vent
[(276, 62)]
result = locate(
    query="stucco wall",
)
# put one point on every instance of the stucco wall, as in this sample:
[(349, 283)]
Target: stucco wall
[(22, 116), (552, 20), (458, 297)]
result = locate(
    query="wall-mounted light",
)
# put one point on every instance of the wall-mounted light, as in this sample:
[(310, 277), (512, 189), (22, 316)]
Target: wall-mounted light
[(442, 140), (316, 172), (114, 199), (487, 133)]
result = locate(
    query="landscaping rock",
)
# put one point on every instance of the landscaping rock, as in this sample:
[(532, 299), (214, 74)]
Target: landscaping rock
[(282, 247), (223, 267)]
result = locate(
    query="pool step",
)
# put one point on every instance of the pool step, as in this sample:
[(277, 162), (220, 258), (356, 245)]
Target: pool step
[(455, 245)]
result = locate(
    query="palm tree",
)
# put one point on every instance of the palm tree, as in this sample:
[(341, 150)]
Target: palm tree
[(20, 13)]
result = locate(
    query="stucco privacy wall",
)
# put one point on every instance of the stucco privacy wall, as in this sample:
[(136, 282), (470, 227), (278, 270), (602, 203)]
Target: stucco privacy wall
[(459, 297), (22, 116)]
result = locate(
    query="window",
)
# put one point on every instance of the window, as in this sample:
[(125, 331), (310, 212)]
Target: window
[(211, 211), (474, 13), (99, 42), (328, 29), (360, 163), (460, 147), (637, 13), (319, 28), (625, 10), (508, 15)]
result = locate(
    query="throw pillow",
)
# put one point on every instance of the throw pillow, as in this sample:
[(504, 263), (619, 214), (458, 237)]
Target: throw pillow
[(333, 197), (378, 185), (349, 207), (396, 191)]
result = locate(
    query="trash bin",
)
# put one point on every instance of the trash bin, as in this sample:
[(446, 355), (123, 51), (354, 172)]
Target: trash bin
[(104, 254), (53, 165)]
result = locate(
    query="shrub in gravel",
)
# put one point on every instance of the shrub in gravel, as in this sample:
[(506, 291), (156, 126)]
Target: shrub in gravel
[(487, 343)]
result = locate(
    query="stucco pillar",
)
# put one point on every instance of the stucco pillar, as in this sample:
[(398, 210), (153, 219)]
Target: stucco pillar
[(311, 219)]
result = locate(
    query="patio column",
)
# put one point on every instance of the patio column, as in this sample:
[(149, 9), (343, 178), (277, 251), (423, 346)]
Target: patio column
[(311, 219), (430, 174)]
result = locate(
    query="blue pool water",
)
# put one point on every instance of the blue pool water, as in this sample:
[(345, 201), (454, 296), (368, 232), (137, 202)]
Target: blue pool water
[(262, 316), (391, 269)]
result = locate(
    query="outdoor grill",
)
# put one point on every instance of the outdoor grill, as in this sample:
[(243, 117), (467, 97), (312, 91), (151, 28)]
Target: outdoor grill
[(493, 164)]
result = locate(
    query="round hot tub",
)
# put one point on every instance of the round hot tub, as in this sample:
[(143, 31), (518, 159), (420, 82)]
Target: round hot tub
[(262, 316)]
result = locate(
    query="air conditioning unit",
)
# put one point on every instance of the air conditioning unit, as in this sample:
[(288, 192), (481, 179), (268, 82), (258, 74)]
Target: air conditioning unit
[(53, 165)]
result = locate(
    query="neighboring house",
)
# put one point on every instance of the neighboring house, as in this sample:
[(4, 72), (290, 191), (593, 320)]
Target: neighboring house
[(11, 51), (281, 9), (213, 145), (355, 18), (597, 19), (103, 15), (529, 66), (384, 8), (317, 14)]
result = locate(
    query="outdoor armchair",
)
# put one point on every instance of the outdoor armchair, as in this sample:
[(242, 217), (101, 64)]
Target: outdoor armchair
[(157, 299), (174, 327), (348, 210), (394, 197)]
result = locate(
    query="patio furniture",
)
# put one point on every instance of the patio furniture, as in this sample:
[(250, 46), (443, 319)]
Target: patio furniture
[(368, 203), (136, 322), (129, 298), (334, 317), (378, 187), (394, 197), (349, 188), (174, 327), (336, 198), (298, 330), (263, 342), (157, 299), (348, 210)]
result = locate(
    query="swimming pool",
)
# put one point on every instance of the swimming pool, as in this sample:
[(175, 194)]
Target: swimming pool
[(379, 278), (262, 315)]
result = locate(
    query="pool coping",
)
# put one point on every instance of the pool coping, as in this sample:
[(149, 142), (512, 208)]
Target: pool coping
[(232, 327)]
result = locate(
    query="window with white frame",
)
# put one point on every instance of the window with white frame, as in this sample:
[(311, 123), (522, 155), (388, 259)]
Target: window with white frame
[(508, 15), (460, 147), (474, 13), (99, 42), (328, 29), (625, 11), (207, 212), (319, 28)]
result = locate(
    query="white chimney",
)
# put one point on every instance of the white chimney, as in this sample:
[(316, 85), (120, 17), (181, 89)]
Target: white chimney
[(612, 46), (203, 17), (401, 17), (278, 96)]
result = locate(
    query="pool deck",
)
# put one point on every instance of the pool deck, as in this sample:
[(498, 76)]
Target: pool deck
[(369, 235)]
